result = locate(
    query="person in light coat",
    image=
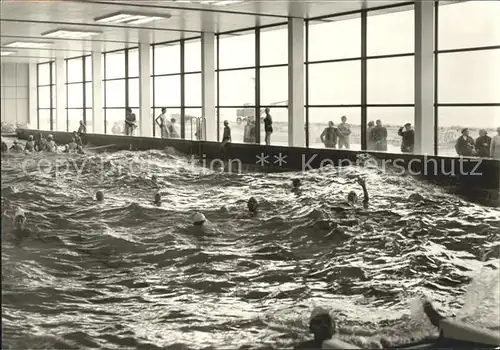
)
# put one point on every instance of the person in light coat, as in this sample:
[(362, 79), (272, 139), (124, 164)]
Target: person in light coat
[(495, 146)]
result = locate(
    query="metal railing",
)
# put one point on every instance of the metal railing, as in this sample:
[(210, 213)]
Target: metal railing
[(199, 131)]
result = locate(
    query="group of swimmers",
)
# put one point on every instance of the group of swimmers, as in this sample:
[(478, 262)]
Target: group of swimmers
[(41, 144)]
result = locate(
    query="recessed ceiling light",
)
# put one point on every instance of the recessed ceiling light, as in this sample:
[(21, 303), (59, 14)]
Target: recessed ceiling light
[(29, 44), (70, 34), (130, 18), (7, 53)]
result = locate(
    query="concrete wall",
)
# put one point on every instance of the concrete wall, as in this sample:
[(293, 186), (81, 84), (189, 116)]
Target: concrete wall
[(14, 92)]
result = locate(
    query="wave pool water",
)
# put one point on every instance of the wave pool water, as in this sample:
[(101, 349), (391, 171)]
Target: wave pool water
[(128, 274)]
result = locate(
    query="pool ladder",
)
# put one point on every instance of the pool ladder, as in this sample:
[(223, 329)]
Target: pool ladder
[(198, 133)]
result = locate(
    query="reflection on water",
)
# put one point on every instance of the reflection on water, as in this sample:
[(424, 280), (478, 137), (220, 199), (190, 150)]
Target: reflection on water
[(126, 273)]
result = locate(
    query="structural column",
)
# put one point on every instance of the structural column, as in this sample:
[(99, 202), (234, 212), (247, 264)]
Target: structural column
[(424, 77), (145, 113), (61, 117), (208, 86), (296, 120), (97, 126), (32, 96)]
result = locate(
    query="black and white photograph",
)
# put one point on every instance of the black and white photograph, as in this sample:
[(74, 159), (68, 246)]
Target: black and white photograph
[(250, 174)]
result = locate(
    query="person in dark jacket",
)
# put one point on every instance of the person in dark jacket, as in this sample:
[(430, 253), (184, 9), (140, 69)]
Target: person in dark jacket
[(465, 144), (268, 126), (329, 136), (379, 136), (483, 144), (408, 138)]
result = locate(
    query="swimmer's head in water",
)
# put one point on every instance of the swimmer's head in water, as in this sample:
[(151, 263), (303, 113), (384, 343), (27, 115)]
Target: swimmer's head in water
[(19, 220), (157, 197), (252, 204), (50, 137), (30, 138), (154, 178), (99, 196), (296, 183), (321, 324), (352, 197), (199, 219), (15, 142)]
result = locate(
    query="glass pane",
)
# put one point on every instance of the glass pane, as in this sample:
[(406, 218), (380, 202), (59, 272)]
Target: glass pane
[(192, 56), (237, 50), (237, 88), (44, 119), (167, 59), (74, 117), (192, 86), (44, 74), (115, 121), (88, 68), (469, 77), (53, 95), (392, 119), (279, 136), (274, 86), (75, 70), (44, 97), (75, 95), (167, 91), (335, 83), (90, 120), (53, 67), (115, 93), (451, 121), (89, 95), (391, 32), (193, 124), (344, 34), (115, 65), (391, 80), (133, 93), (274, 45), (133, 63), (318, 121), (481, 26)]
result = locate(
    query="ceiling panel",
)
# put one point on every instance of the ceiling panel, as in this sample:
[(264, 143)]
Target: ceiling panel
[(27, 20)]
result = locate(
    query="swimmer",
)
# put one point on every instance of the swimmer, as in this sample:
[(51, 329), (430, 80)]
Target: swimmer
[(50, 146), (200, 221), (416, 197), (77, 139), (5, 148), (99, 196), (352, 197), (322, 326), (252, 205), (16, 147), (154, 178), (19, 220), (157, 199), (296, 183), (40, 143), (72, 146), (30, 144)]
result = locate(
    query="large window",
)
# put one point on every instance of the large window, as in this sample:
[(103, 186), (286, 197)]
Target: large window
[(79, 92), (468, 79), (46, 95), (333, 75), (121, 88), (390, 77), (248, 85), (176, 85)]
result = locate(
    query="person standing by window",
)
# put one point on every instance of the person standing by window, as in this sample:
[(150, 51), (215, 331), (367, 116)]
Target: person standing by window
[(379, 136), (130, 120), (370, 145), (408, 138), (465, 144), (268, 126), (161, 120), (329, 136), (172, 129), (483, 144), (495, 146), (344, 130)]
